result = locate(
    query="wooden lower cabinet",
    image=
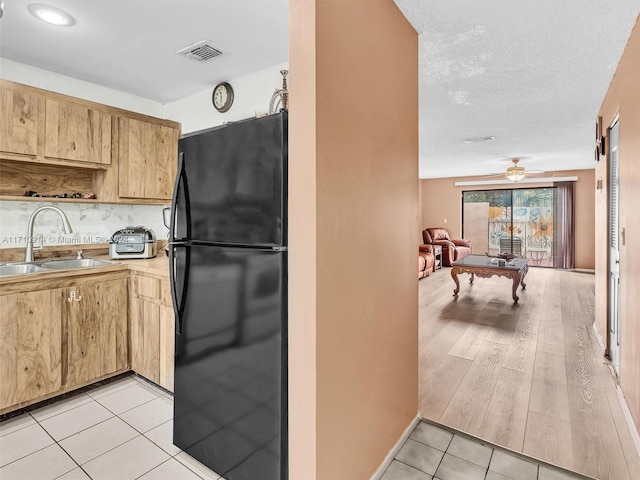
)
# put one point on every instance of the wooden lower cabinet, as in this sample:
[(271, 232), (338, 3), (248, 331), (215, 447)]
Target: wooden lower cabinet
[(145, 334), (60, 334), (30, 346), (152, 329), (96, 330)]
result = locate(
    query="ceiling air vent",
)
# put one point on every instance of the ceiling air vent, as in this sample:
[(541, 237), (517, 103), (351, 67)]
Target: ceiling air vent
[(200, 51)]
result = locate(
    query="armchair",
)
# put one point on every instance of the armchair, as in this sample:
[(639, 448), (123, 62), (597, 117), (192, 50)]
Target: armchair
[(426, 260), (452, 249)]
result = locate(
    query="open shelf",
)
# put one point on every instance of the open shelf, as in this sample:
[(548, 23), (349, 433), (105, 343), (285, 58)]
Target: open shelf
[(24, 198)]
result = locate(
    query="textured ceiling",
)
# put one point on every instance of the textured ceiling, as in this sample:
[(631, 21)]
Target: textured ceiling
[(532, 74), (131, 45)]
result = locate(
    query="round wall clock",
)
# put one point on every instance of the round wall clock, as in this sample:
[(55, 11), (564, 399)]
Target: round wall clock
[(222, 97)]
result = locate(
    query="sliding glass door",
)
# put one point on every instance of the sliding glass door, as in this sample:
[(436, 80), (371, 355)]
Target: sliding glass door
[(518, 221)]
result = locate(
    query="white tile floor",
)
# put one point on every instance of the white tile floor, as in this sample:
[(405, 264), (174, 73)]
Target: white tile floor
[(120, 431), (435, 453)]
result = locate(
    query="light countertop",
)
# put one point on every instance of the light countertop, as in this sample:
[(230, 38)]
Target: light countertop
[(158, 265)]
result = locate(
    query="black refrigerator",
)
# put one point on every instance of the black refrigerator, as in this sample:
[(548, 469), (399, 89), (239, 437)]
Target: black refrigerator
[(228, 272)]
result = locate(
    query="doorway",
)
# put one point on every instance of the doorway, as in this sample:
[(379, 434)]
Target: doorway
[(614, 249)]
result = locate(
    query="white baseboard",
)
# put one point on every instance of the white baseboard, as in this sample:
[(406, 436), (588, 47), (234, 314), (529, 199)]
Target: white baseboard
[(623, 401), (396, 448), (627, 415)]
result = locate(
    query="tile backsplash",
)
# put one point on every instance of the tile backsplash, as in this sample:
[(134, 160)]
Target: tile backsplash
[(91, 223)]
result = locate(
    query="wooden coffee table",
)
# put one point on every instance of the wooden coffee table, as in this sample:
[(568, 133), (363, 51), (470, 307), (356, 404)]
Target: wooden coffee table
[(482, 266)]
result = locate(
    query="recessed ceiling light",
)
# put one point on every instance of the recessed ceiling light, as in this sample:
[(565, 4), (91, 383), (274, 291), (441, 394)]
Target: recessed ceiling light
[(478, 139), (51, 15)]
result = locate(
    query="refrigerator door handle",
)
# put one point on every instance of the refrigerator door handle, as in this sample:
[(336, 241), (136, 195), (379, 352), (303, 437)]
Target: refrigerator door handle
[(178, 303), (181, 180)]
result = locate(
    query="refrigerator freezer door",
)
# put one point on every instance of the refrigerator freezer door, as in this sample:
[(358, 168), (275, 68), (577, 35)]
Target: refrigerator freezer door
[(179, 219), (236, 177), (230, 370)]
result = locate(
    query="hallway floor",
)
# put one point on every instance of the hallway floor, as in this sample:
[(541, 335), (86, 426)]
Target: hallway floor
[(528, 376), (449, 455)]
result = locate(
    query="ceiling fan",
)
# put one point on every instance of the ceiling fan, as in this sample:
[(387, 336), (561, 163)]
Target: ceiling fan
[(515, 173)]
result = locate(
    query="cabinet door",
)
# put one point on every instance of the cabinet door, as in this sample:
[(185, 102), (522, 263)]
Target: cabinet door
[(96, 330), (18, 122), (147, 158), (30, 346), (76, 132), (145, 338), (167, 336), (145, 327), (167, 346), (152, 330)]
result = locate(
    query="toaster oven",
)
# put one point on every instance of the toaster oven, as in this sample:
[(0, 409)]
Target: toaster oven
[(133, 242)]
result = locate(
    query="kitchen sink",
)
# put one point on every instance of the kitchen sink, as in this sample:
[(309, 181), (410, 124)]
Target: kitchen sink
[(20, 269), (67, 263), (48, 265)]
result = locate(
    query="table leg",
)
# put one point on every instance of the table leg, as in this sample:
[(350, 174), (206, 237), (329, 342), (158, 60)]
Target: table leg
[(472, 277), (524, 273), (516, 282), (454, 275)]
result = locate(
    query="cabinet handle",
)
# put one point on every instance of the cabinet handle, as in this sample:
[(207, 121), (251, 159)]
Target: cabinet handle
[(73, 297)]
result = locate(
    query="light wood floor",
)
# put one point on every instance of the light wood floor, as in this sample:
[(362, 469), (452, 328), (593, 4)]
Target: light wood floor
[(527, 376)]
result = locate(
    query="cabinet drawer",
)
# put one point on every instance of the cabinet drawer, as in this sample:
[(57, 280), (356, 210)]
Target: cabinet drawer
[(145, 287)]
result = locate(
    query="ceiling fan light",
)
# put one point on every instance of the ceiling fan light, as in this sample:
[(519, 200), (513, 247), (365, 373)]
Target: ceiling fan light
[(516, 176), (515, 173)]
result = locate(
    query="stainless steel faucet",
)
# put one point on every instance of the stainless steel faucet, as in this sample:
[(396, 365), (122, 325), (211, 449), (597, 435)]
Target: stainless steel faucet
[(66, 226)]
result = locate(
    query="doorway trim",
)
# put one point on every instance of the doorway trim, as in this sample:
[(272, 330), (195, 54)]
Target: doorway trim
[(613, 246)]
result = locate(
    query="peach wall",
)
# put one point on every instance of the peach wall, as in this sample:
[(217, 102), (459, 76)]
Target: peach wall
[(353, 216), (302, 241), (585, 242), (442, 200), (623, 99)]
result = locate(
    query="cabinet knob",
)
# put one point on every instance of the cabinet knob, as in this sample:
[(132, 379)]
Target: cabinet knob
[(73, 297)]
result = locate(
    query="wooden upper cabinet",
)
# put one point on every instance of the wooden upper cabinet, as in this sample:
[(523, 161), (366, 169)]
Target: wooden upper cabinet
[(76, 132), (18, 122), (147, 158), (48, 138)]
